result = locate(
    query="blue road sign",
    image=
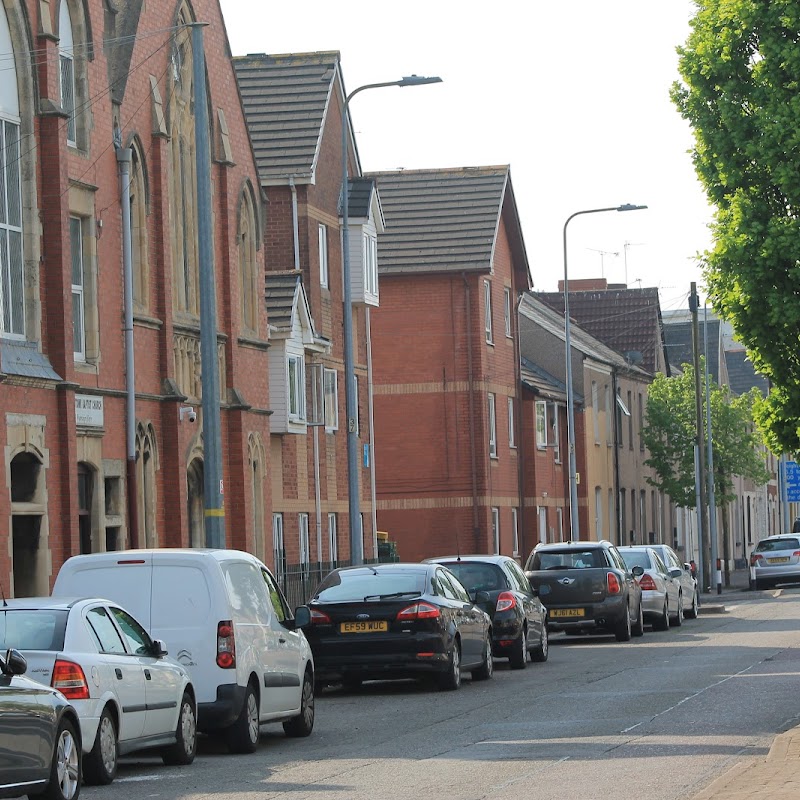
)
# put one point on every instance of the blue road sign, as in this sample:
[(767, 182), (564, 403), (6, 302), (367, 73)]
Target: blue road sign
[(791, 480)]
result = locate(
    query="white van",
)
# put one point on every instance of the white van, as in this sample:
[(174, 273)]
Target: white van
[(223, 616)]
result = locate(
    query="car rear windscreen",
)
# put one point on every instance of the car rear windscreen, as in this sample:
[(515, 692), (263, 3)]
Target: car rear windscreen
[(770, 545), (636, 558), (32, 629), (477, 576), (568, 559), (343, 587)]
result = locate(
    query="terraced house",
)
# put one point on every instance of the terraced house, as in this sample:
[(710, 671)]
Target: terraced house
[(85, 82)]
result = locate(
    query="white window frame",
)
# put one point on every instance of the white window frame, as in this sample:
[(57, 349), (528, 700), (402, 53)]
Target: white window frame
[(333, 540), (515, 530), (496, 530), (330, 383), (492, 400), (541, 424), (560, 523), (304, 541), (541, 520), (78, 269), (66, 72), (487, 311), (297, 410), (358, 415), (598, 512), (512, 427), (507, 310), (12, 275), (370, 264), (556, 439), (278, 545), (322, 240)]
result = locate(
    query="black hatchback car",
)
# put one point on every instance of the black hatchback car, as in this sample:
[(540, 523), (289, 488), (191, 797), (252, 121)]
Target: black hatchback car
[(397, 621), (40, 740), (519, 620)]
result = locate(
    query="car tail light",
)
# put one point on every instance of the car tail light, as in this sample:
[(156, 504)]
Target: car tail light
[(755, 558), (506, 601), (796, 553), (319, 617), (647, 583), (613, 584), (226, 645), (69, 679), (418, 611)]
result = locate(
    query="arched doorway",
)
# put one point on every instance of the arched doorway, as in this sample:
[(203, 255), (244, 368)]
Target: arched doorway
[(27, 511), (196, 503)]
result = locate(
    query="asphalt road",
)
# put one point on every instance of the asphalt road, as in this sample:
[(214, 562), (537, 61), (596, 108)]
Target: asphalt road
[(659, 717)]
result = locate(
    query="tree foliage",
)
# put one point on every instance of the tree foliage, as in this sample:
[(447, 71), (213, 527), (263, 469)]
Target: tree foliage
[(741, 94), (669, 435)]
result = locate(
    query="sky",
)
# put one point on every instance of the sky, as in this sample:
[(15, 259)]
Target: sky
[(574, 96)]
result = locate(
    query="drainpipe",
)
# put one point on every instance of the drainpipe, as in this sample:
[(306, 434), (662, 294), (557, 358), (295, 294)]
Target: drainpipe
[(471, 382), (518, 424), (315, 439), (124, 157), (373, 493), (616, 457)]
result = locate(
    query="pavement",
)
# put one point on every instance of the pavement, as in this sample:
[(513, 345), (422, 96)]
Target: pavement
[(774, 777)]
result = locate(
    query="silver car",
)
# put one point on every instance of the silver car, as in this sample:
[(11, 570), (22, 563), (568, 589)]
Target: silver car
[(662, 599), (683, 574), (776, 559)]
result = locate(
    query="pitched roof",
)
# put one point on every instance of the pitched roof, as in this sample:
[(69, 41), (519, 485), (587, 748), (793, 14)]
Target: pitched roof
[(443, 220), (285, 100), (742, 375), (627, 320), (542, 382), (282, 288), (678, 340), (360, 197)]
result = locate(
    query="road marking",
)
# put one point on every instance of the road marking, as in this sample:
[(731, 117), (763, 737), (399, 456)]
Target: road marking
[(627, 730)]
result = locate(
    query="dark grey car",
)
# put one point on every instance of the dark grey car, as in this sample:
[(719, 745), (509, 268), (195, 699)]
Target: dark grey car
[(40, 743)]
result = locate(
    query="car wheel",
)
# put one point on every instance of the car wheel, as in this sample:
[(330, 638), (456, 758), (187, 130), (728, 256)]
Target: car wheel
[(677, 620), (638, 628), (541, 651), (65, 768), (183, 751), (693, 612), (303, 723), (243, 735), (100, 763), (662, 623), (451, 680), (623, 631), (486, 669), (519, 654)]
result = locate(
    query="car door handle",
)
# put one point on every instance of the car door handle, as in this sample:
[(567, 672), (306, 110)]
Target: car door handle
[(147, 674), (118, 673)]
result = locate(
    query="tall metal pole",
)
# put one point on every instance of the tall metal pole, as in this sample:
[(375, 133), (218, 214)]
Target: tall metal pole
[(698, 407), (212, 439), (124, 158), (353, 482), (712, 504), (573, 470)]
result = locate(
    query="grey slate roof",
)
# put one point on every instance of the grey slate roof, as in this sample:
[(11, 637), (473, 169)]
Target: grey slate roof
[(542, 382), (359, 197), (282, 288), (440, 220), (24, 358), (742, 376), (285, 100), (678, 341)]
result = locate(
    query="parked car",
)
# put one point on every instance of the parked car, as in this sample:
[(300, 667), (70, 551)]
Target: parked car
[(662, 598), (226, 620), (776, 559), (587, 588), (398, 621), (519, 620), (40, 739), (686, 575), (128, 694)]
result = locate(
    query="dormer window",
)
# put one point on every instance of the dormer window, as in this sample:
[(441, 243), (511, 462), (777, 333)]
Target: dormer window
[(370, 264), (297, 389)]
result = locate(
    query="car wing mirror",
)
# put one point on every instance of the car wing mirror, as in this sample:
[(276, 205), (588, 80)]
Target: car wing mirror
[(481, 597), (302, 617), (159, 649), (676, 573), (637, 571), (14, 663)]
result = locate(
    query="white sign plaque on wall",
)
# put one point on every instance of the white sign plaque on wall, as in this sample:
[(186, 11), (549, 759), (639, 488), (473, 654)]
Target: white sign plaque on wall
[(88, 411)]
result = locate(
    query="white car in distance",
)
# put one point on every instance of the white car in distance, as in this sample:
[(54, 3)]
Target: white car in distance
[(128, 694)]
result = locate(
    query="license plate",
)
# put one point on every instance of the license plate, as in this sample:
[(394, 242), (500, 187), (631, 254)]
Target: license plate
[(567, 612), (372, 626), (782, 560)]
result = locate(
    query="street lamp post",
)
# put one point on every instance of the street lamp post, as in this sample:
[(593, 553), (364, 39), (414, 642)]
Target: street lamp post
[(356, 540), (573, 473)]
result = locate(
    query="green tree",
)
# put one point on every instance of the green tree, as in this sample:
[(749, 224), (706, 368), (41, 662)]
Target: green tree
[(669, 436), (741, 94)]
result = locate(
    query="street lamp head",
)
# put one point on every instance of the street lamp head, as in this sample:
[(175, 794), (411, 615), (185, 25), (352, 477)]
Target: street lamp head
[(630, 207), (418, 80)]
